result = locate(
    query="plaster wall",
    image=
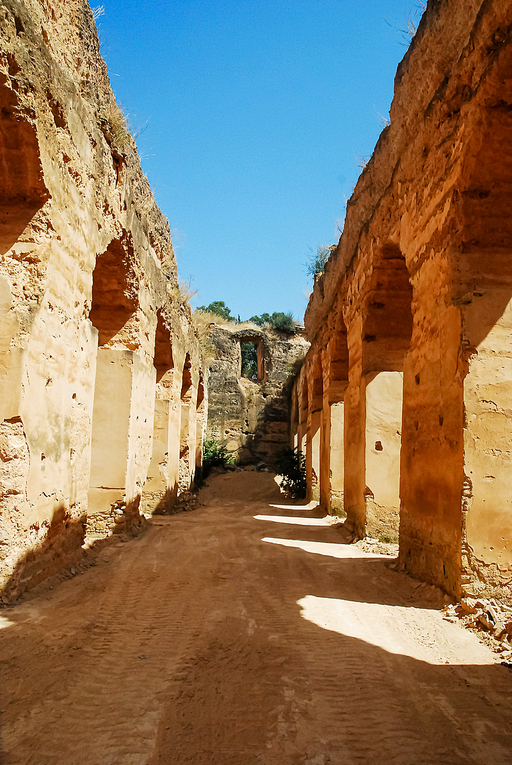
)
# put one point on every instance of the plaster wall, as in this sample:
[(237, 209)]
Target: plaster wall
[(420, 284), (383, 438), (337, 455), (251, 417), (87, 273), (488, 438)]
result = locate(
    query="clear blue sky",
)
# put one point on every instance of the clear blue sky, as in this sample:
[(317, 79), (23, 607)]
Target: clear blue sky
[(257, 112)]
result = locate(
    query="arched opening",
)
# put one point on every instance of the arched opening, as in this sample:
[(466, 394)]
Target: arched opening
[(384, 395), (388, 321), (22, 194), (162, 359), (484, 297), (303, 395), (187, 464), (22, 191), (313, 440), (294, 416), (114, 296), (200, 424), (159, 488), (386, 340), (332, 475), (113, 314)]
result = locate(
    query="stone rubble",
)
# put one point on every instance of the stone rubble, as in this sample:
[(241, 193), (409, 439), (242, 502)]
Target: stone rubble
[(490, 618)]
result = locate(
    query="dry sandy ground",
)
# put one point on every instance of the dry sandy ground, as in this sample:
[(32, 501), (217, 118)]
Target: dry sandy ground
[(245, 632)]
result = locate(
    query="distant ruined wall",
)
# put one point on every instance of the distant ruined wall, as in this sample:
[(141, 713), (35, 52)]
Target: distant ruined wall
[(101, 387), (252, 417), (420, 285)]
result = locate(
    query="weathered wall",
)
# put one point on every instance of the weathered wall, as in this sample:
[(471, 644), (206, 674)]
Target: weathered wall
[(252, 417), (93, 330), (420, 284)]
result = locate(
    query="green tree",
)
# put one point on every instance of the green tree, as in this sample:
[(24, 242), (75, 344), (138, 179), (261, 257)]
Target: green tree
[(219, 308), (260, 320)]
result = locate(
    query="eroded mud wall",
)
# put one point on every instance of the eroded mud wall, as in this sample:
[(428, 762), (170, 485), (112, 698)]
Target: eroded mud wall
[(420, 284), (252, 416), (93, 330)]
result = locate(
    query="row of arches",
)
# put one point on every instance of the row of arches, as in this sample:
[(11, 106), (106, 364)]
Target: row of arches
[(148, 414), (401, 409), (102, 400)]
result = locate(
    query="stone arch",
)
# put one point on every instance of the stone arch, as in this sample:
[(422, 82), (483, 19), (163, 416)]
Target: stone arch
[(483, 296), (22, 191), (201, 414), (22, 194), (386, 339), (186, 380), (187, 426), (313, 437), (114, 295), (387, 326), (332, 456), (163, 358), (119, 375), (159, 487), (303, 395)]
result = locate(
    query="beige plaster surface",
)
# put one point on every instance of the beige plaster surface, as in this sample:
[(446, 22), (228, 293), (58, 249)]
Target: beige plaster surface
[(383, 438), (87, 261)]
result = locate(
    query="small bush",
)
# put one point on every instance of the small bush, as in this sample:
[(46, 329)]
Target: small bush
[(278, 320), (316, 262), (214, 455), (291, 467), (282, 321)]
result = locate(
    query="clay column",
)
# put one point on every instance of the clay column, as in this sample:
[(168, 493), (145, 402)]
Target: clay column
[(432, 436), (325, 436), (355, 419)]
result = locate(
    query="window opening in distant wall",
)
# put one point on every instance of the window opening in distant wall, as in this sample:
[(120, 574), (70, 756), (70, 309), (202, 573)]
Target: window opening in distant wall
[(249, 351)]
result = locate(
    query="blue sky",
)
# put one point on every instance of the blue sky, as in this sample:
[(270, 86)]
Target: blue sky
[(255, 115)]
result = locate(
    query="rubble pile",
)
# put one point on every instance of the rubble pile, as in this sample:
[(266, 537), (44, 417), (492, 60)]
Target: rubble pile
[(187, 500), (492, 619)]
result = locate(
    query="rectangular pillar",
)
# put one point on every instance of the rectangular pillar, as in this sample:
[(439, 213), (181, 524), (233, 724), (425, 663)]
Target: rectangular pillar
[(354, 428)]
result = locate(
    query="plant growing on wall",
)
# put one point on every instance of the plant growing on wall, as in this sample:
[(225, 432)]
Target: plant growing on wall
[(316, 261)]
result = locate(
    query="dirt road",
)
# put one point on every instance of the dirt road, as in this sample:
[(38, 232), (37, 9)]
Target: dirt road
[(245, 633)]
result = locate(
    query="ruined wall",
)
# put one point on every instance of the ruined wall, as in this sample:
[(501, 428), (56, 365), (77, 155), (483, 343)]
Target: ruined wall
[(420, 284), (252, 417), (94, 336)]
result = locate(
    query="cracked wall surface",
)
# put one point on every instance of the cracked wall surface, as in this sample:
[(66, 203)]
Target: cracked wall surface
[(95, 337), (420, 284)]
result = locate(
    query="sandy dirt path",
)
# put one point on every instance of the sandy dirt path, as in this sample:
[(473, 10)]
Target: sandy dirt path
[(245, 632)]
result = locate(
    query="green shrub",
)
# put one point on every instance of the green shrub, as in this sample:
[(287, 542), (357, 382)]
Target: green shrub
[(214, 455), (278, 320), (282, 321), (291, 466)]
